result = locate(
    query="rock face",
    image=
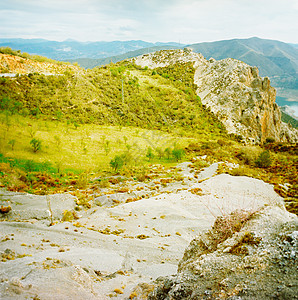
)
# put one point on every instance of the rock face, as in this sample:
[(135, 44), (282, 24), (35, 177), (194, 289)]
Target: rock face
[(258, 262), (242, 100)]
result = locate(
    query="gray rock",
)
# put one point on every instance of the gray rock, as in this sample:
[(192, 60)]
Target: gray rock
[(267, 270), (27, 206)]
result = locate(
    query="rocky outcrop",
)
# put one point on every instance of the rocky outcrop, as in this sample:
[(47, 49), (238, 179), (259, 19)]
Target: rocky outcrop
[(20, 65), (242, 100), (258, 262)]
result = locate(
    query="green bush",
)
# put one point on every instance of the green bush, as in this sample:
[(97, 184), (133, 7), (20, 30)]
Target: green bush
[(36, 144), (167, 152), (150, 154), (248, 155), (117, 163), (264, 160), (178, 153)]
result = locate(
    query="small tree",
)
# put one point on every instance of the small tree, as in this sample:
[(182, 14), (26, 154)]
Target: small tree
[(150, 154), (117, 163), (58, 142), (178, 153), (264, 160), (107, 147), (160, 153), (36, 144), (12, 143), (168, 152)]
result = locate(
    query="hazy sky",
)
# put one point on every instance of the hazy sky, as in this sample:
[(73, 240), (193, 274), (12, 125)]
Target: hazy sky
[(185, 21)]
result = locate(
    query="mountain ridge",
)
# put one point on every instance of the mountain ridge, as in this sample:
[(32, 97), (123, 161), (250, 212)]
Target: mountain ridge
[(67, 50), (275, 59), (242, 100)]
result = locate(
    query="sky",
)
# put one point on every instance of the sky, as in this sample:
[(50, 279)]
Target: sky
[(184, 21)]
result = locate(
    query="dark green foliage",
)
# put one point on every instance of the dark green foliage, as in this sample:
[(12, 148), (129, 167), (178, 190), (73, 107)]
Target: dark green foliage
[(36, 144), (264, 160), (7, 104), (117, 163), (269, 140)]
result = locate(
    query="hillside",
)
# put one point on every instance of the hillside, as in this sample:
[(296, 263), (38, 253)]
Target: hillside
[(95, 96), (128, 108), (233, 91), (16, 63), (274, 59)]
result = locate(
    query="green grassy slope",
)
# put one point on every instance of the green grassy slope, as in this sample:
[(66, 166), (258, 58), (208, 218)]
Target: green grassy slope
[(148, 101)]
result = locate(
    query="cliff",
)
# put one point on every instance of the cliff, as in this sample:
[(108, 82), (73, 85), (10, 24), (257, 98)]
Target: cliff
[(242, 100)]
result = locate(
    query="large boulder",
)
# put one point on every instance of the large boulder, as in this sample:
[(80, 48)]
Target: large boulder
[(259, 261)]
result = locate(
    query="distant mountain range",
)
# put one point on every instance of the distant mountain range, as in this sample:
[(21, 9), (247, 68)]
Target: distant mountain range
[(271, 57), (70, 49)]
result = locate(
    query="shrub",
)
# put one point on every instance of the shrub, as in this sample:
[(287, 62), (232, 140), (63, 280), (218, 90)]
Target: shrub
[(168, 152), (12, 144), (36, 144), (104, 183), (117, 163), (178, 153), (243, 171), (264, 160), (248, 155), (270, 140), (199, 164), (150, 154), (160, 153)]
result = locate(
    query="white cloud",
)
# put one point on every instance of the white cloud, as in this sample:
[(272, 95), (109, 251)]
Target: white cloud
[(154, 20)]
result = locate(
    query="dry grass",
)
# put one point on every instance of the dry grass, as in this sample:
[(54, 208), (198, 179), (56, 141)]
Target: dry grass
[(226, 225)]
